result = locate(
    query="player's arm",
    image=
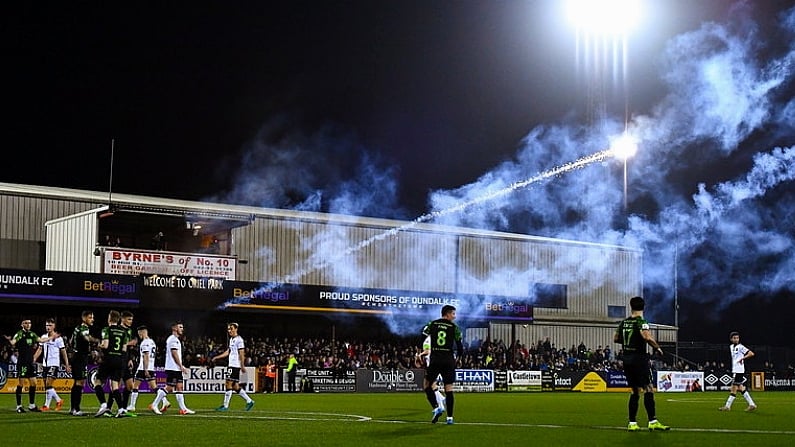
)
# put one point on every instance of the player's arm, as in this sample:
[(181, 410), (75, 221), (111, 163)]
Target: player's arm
[(65, 358), (241, 352), (11, 340), (145, 363), (646, 334), (748, 355), (177, 360), (88, 338), (224, 354), (104, 342)]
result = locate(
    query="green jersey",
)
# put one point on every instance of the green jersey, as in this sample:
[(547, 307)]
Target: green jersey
[(132, 354), (445, 337), (117, 337), (629, 335), (26, 343), (79, 340)]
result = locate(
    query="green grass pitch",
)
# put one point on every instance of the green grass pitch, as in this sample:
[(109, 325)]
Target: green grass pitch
[(403, 419)]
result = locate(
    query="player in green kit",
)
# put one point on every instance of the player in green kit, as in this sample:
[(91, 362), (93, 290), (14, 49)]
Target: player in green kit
[(27, 343), (81, 346), (114, 352), (633, 334), (445, 337)]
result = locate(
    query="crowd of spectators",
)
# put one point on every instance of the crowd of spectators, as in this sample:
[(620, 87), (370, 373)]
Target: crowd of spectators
[(401, 352)]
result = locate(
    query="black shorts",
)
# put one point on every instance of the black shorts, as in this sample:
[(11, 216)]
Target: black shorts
[(128, 373), (79, 366), (112, 367), (144, 376), (173, 378), (26, 370), (638, 373), (232, 374), (50, 372), (441, 365), (739, 379)]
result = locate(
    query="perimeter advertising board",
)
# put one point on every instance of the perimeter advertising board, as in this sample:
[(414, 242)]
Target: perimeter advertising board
[(524, 380), (680, 381), (772, 383), (51, 287), (718, 381), (396, 380), (474, 380), (324, 380), (197, 380), (389, 380)]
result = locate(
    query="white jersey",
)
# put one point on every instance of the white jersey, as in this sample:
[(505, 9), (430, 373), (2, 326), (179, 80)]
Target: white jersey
[(52, 351), (147, 346), (235, 343), (173, 343), (738, 352)]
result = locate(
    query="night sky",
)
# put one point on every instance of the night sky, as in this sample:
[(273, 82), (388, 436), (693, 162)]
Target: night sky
[(399, 108)]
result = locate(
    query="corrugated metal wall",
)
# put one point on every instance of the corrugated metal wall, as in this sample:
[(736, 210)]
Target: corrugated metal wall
[(596, 276), (22, 230), (425, 259), (71, 241), (330, 253)]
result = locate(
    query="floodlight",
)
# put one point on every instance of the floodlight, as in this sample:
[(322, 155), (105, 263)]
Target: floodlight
[(624, 147), (604, 16)]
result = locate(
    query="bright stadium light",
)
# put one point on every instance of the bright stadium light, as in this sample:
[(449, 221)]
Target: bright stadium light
[(604, 16), (624, 146)]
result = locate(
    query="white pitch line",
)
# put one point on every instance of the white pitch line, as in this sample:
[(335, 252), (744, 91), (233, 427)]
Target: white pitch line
[(341, 417), (302, 416)]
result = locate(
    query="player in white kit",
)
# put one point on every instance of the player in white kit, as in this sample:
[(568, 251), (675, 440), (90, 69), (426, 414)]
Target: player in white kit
[(237, 358)]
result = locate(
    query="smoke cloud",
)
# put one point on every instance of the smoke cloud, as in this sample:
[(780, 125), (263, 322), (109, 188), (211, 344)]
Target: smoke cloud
[(710, 192)]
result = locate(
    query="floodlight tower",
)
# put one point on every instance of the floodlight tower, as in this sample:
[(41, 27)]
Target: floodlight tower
[(603, 27)]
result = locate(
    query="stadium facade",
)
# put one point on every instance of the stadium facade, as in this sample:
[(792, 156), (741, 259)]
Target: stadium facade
[(507, 286)]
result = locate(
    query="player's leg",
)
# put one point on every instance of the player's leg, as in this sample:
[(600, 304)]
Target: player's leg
[(21, 372), (747, 396), (76, 393), (240, 390), (730, 400), (133, 399), (181, 397), (32, 382), (449, 399), (227, 393)]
